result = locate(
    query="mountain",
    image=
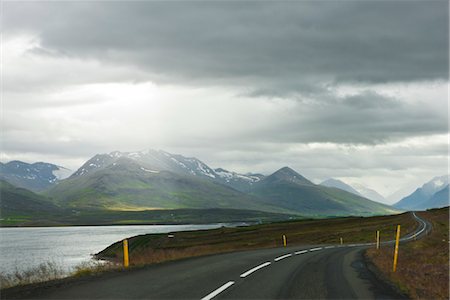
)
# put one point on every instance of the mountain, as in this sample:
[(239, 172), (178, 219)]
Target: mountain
[(35, 177), (156, 179), (290, 190), (118, 182), (439, 199), (158, 160), (369, 193), (340, 185), (20, 202), (420, 198)]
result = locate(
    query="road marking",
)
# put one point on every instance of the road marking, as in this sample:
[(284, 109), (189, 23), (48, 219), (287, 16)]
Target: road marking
[(282, 257), (315, 249), (243, 275), (329, 247), (218, 291), (300, 252)]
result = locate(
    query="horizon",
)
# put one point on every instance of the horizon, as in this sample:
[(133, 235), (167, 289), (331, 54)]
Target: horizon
[(247, 87)]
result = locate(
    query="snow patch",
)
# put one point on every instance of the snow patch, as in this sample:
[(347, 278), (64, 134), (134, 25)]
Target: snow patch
[(438, 183), (204, 171), (150, 171), (62, 173)]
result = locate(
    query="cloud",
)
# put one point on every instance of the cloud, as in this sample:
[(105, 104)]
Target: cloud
[(267, 47)]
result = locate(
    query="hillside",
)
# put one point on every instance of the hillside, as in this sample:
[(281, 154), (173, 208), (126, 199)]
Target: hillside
[(288, 189), (18, 203)]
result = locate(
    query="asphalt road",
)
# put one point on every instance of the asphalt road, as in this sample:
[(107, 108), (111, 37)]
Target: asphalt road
[(320, 271)]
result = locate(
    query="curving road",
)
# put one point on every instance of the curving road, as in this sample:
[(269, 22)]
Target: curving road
[(320, 271)]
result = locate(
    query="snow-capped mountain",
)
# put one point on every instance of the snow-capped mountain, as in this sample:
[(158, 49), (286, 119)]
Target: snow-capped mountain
[(36, 177), (420, 198), (158, 160), (241, 182)]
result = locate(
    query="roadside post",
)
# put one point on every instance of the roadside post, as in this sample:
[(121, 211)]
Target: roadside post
[(284, 240), (342, 241), (394, 266), (378, 239), (126, 261)]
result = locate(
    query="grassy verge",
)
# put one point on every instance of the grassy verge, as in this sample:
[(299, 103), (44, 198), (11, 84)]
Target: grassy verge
[(44, 272), (423, 265), (51, 271), (154, 248)]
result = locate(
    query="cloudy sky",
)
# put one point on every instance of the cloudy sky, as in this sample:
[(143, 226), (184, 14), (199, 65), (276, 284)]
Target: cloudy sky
[(346, 89)]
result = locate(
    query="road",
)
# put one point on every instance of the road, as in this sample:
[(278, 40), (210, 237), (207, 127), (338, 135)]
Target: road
[(317, 271)]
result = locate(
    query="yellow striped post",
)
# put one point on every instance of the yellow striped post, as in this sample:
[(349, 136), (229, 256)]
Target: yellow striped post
[(284, 241), (378, 239), (126, 261), (394, 266), (342, 241)]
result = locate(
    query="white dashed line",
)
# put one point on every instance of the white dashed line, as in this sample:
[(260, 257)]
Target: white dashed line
[(329, 247), (243, 275), (218, 291), (315, 249), (282, 257), (300, 252)]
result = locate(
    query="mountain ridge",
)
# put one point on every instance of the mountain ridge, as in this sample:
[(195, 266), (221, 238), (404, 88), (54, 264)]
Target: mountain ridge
[(35, 177), (420, 198)]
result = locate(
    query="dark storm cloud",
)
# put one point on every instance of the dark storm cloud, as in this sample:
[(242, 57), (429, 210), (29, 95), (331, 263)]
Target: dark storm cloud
[(267, 47)]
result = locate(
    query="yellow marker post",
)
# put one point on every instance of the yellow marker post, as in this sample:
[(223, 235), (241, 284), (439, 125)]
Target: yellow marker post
[(378, 239), (126, 262), (394, 266), (342, 241), (284, 240)]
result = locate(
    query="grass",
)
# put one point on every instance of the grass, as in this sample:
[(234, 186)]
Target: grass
[(94, 267), (44, 272), (154, 248), (51, 271), (423, 265), (165, 216)]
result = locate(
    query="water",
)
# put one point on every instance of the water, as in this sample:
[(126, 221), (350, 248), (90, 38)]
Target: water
[(25, 248)]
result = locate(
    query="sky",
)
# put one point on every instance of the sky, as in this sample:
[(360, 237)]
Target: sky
[(354, 90)]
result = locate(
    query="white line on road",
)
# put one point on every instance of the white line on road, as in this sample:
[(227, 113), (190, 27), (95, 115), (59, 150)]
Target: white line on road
[(218, 291), (243, 275), (329, 247), (282, 257), (300, 252), (315, 249)]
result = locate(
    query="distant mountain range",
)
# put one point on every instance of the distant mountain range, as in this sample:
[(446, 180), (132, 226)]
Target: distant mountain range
[(149, 180), (340, 185), (356, 189), (35, 177), (433, 194)]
